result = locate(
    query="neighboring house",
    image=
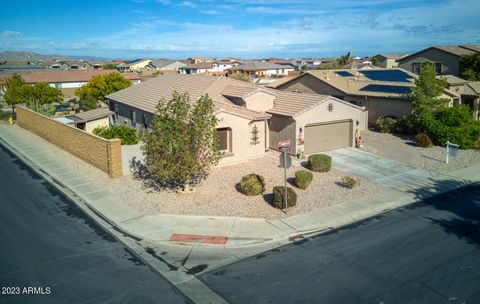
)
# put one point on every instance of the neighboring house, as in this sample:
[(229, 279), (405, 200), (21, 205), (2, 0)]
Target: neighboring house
[(384, 92), (468, 90), (134, 65), (388, 60), (213, 67), (359, 64), (201, 59), (261, 69), (164, 65), (88, 120), (252, 119), (445, 58), (68, 81), (471, 97), (76, 65), (305, 64)]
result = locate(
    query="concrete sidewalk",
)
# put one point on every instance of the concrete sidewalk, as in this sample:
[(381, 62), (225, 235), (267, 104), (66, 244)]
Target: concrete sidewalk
[(236, 232)]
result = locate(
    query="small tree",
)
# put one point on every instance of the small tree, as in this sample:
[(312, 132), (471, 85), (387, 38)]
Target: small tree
[(427, 90), (12, 91), (40, 96), (183, 143), (471, 67), (100, 86), (109, 66), (241, 76)]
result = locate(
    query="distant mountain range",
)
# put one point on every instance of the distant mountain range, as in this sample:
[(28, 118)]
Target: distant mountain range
[(32, 56)]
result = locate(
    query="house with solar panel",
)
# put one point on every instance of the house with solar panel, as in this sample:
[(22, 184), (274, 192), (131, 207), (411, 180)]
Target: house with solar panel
[(383, 92)]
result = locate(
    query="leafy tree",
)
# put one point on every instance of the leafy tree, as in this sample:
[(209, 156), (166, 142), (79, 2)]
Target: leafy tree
[(241, 76), (99, 87), (329, 66), (183, 142), (427, 90), (454, 124), (40, 97), (344, 59), (109, 66), (13, 92), (471, 67), (374, 61)]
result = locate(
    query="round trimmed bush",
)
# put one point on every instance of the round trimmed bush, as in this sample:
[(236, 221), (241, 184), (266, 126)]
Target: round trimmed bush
[(279, 197), (423, 140), (303, 178), (319, 162), (252, 184), (350, 182)]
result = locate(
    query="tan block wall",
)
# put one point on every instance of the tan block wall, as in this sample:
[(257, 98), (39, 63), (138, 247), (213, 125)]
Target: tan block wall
[(99, 152)]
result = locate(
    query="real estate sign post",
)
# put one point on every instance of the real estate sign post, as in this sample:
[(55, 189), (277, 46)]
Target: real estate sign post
[(285, 162)]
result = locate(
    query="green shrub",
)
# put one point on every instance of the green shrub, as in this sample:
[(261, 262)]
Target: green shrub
[(406, 125), (385, 124), (319, 162), (423, 140), (303, 178), (127, 135), (252, 184), (279, 197), (453, 124), (350, 182)]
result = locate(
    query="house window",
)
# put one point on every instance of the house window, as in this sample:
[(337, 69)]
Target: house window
[(416, 68), (133, 118), (58, 85), (438, 68), (225, 139)]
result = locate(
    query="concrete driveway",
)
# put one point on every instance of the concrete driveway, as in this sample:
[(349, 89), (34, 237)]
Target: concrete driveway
[(386, 172)]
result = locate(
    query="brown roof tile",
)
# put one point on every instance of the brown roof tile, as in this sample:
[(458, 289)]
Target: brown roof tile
[(58, 76)]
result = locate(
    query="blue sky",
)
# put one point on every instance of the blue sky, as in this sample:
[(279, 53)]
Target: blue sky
[(238, 28)]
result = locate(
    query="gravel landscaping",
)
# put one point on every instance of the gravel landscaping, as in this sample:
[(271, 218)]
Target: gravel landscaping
[(218, 194), (403, 148)]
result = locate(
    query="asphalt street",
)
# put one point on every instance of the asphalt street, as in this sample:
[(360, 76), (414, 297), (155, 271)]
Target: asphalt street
[(428, 252), (50, 244)]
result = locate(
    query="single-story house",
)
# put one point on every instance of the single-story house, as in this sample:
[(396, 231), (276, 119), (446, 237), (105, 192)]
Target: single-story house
[(252, 119), (68, 81), (261, 69), (88, 120), (471, 97), (445, 58), (211, 67), (383, 92)]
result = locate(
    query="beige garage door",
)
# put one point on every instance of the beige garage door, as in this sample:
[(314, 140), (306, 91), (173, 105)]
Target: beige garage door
[(328, 136)]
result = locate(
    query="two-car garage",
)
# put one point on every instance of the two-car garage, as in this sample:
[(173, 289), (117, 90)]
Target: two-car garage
[(315, 123), (328, 136)]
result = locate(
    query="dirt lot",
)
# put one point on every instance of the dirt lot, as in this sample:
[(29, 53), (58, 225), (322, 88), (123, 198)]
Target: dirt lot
[(404, 149)]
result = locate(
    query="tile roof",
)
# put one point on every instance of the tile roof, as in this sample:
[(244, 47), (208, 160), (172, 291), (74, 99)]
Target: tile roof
[(473, 47), (453, 80), (455, 50), (472, 88), (146, 95), (200, 65), (258, 65), (280, 81), (161, 63), (59, 76), (393, 56), (93, 114)]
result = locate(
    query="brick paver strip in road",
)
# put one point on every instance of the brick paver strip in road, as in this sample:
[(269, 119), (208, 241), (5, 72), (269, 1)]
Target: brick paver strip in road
[(196, 238)]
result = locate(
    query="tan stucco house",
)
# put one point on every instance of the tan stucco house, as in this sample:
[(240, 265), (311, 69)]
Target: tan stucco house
[(252, 119), (383, 92)]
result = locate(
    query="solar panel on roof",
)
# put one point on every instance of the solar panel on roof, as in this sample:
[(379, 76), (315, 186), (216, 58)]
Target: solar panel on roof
[(386, 89), (344, 74), (387, 75)]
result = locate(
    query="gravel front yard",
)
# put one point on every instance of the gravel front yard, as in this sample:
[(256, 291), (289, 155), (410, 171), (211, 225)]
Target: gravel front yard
[(403, 148), (218, 194)]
